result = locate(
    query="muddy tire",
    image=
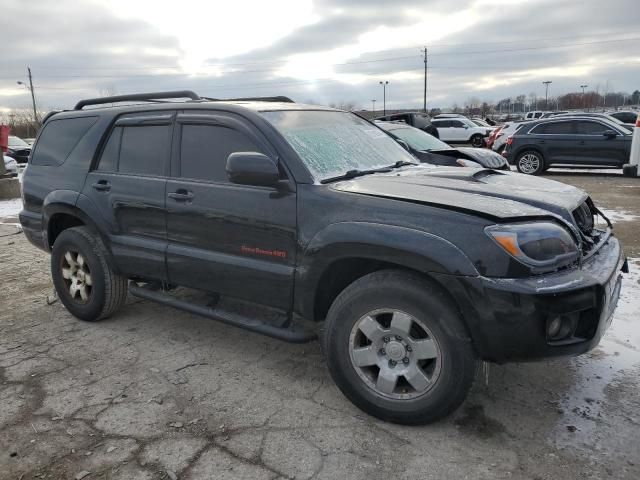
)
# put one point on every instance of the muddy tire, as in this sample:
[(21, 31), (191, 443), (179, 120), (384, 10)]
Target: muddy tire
[(397, 349), (84, 281)]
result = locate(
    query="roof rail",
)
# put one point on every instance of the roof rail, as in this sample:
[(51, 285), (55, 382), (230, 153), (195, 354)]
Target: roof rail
[(137, 96), (252, 99)]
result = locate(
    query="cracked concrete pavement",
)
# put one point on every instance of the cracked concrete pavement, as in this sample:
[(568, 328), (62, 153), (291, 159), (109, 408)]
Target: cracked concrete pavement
[(156, 393)]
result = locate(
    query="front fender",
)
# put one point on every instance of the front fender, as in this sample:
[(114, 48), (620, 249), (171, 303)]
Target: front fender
[(401, 246)]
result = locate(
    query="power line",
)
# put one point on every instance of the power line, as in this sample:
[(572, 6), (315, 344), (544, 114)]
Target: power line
[(357, 62)]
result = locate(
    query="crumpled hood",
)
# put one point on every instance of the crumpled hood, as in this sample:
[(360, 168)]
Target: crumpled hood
[(485, 157), (497, 194)]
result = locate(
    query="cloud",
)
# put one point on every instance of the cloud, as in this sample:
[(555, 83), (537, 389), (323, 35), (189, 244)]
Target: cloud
[(325, 50)]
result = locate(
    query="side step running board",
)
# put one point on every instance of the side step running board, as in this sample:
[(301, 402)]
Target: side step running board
[(293, 334)]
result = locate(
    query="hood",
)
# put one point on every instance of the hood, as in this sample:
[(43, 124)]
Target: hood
[(483, 156), (500, 195)]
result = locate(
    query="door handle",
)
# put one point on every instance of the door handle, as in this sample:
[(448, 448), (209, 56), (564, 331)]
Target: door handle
[(102, 185), (181, 195), (541, 142), (581, 142)]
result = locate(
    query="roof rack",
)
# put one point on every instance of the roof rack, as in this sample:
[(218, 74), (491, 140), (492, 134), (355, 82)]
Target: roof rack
[(252, 99), (149, 97)]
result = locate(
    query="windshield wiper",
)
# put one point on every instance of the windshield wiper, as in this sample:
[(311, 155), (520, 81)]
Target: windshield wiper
[(355, 173), (359, 173)]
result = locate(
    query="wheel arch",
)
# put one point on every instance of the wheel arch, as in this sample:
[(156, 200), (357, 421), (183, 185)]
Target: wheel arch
[(526, 148), (62, 211), (338, 255)]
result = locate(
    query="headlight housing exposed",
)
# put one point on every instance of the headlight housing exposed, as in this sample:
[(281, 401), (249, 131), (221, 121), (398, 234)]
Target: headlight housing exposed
[(543, 246)]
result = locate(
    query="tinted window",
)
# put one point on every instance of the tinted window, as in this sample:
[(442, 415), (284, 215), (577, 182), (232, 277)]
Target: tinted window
[(441, 123), (59, 138), (590, 128), (555, 128), (205, 148), (145, 149), (456, 124), (109, 158)]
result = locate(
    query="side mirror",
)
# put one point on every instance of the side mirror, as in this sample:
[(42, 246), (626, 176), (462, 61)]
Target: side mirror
[(252, 168), (610, 133), (466, 127)]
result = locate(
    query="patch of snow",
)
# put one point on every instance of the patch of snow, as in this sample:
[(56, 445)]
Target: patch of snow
[(619, 215), (10, 207)]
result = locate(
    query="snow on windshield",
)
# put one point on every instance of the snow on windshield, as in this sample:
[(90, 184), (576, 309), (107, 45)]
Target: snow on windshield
[(332, 143)]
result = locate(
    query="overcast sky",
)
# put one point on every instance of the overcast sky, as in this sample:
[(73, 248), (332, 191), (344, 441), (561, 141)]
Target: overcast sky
[(321, 50)]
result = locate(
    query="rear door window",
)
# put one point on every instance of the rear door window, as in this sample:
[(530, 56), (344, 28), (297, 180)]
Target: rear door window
[(585, 127), (59, 138), (555, 128), (144, 150), (138, 150)]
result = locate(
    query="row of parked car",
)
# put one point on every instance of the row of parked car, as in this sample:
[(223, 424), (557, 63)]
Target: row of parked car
[(582, 139)]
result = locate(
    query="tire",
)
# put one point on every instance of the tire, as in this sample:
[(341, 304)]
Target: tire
[(80, 258), (530, 162), (477, 140), (438, 345)]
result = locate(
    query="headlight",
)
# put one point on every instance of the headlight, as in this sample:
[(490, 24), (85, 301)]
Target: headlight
[(537, 244)]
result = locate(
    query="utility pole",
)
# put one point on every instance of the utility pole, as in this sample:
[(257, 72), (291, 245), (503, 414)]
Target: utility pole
[(424, 101), (384, 96), (373, 108), (583, 87), (546, 93), (33, 96)]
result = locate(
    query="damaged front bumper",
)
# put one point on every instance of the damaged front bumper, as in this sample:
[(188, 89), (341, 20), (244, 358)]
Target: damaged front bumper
[(564, 313)]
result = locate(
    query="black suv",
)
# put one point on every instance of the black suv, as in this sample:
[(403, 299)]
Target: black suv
[(571, 141), (290, 219)]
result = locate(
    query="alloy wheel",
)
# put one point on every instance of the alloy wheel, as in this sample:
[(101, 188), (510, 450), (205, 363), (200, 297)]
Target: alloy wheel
[(529, 163), (77, 276), (395, 354)]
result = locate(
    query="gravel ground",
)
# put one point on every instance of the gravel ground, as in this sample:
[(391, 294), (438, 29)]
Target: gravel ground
[(157, 393)]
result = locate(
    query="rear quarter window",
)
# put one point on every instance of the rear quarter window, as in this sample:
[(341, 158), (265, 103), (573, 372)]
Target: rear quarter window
[(59, 138)]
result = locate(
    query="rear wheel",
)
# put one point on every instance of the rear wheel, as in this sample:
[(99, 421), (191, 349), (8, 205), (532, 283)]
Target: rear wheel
[(397, 349), (477, 140), (84, 281), (530, 162)]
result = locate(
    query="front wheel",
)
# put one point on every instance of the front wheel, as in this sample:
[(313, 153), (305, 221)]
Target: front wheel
[(530, 162), (477, 141), (397, 348)]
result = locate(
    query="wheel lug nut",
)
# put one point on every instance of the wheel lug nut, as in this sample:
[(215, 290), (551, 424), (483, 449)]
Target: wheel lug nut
[(386, 339), (405, 360), (399, 338), (392, 363), (408, 348), (383, 351)]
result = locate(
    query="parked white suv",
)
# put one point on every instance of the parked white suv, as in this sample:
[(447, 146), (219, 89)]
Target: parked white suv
[(461, 130)]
